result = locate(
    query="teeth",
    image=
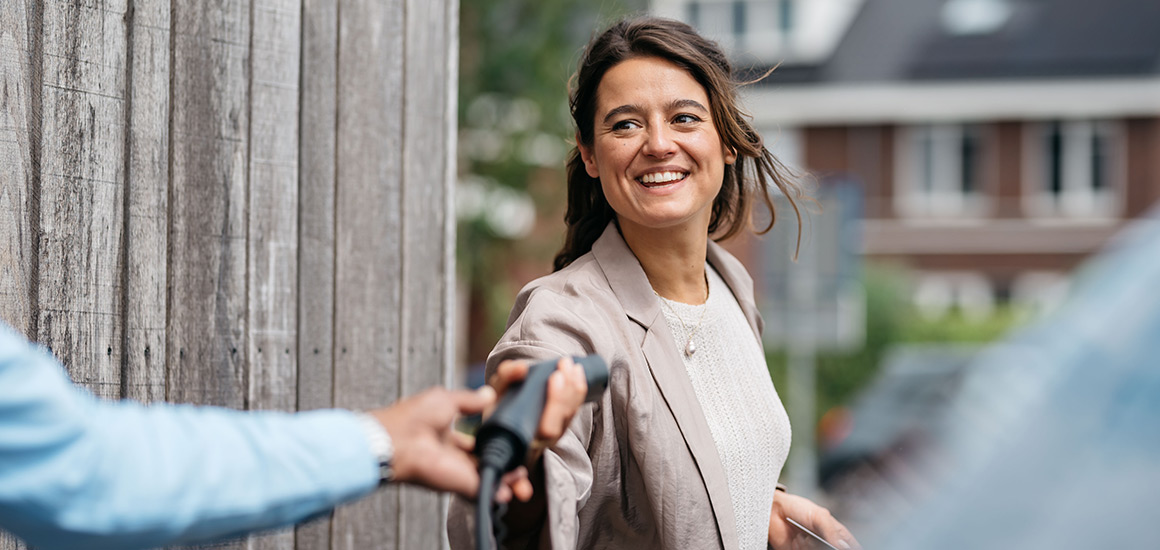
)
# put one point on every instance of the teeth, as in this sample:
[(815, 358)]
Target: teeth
[(662, 177)]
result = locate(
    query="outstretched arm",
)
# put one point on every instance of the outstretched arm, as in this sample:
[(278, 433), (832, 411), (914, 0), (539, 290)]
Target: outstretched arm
[(80, 472), (76, 471)]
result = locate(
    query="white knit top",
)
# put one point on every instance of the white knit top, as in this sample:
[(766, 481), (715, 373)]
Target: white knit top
[(744, 413)]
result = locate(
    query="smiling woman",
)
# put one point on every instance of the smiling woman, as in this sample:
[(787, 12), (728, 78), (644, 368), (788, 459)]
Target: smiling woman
[(657, 155), (685, 448), (699, 62)]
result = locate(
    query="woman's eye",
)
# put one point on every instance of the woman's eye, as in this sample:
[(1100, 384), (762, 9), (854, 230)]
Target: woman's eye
[(625, 125), (685, 119)]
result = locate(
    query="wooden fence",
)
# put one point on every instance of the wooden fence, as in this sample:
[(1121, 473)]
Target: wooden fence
[(236, 202)]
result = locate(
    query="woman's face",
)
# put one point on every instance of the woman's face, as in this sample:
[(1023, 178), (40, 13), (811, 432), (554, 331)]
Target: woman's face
[(655, 148)]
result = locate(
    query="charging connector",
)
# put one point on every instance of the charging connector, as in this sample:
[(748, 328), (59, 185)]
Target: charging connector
[(502, 441)]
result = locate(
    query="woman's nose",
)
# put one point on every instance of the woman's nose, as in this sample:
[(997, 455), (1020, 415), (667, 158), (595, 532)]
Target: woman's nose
[(659, 142)]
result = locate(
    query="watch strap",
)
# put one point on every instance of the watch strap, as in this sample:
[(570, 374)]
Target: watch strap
[(380, 444)]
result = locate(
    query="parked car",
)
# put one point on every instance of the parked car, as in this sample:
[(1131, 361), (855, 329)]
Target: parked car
[(1053, 439)]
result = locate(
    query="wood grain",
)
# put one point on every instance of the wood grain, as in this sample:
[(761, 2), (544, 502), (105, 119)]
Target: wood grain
[(147, 203), (272, 266), (207, 324), (368, 231), (243, 203), (316, 225), (19, 175), (425, 240), (81, 190)]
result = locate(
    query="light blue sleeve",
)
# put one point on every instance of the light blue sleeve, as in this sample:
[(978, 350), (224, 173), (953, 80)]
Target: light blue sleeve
[(80, 472)]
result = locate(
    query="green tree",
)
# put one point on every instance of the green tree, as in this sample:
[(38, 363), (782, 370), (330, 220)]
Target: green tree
[(891, 320), (514, 133)]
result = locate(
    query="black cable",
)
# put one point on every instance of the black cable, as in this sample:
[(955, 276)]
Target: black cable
[(495, 457), (488, 478)]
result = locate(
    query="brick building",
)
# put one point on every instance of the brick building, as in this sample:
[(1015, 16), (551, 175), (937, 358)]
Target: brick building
[(998, 142)]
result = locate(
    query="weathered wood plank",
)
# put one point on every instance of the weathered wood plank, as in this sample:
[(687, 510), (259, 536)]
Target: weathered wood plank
[(427, 186), (367, 235), (147, 185), (19, 141), (159, 152), (316, 226), (20, 54), (206, 322), (451, 298), (206, 325), (81, 190), (273, 206), (272, 265)]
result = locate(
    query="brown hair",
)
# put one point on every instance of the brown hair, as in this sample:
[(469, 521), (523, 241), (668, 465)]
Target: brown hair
[(589, 212)]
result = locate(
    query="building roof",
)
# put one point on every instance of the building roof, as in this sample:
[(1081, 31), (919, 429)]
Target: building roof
[(904, 61), (918, 40), (1051, 38)]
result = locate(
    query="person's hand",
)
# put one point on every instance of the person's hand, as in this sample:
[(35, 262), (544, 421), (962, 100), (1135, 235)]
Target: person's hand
[(429, 452), (784, 536), (566, 390)]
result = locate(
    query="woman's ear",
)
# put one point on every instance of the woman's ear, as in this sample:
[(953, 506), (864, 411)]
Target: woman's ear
[(589, 158), (730, 154)]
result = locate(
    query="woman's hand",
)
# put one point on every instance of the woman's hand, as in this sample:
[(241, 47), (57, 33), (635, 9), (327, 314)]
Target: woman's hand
[(784, 536), (566, 390)]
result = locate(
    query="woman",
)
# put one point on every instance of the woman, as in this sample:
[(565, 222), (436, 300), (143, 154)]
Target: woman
[(685, 448)]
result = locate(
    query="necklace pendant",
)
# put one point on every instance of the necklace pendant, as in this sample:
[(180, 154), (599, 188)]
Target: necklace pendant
[(690, 348)]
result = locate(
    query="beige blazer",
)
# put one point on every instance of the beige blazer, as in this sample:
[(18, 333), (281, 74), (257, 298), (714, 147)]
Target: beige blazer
[(638, 469)]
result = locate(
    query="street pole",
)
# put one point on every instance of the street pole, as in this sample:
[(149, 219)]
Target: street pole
[(801, 349)]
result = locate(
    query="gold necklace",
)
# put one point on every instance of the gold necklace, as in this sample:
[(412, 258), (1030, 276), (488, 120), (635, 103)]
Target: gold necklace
[(690, 347)]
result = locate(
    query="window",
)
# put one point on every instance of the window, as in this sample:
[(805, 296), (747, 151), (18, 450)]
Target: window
[(975, 17), (745, 27), (739, 18), (940, 171), (785, 19), (767, 32), (716, 20), (1071, 169), (937, 294)]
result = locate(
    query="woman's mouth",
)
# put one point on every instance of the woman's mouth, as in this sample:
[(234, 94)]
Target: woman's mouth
[(661, 179)]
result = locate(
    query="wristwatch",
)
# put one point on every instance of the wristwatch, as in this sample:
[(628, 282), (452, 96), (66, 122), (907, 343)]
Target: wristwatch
[(381, 446)]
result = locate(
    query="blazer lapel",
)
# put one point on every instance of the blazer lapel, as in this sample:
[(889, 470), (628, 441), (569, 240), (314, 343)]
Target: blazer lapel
[(632, 289)]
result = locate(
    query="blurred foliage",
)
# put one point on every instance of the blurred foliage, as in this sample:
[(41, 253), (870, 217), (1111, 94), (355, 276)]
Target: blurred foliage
[(955, 327), (890, 320), (515, 59)]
